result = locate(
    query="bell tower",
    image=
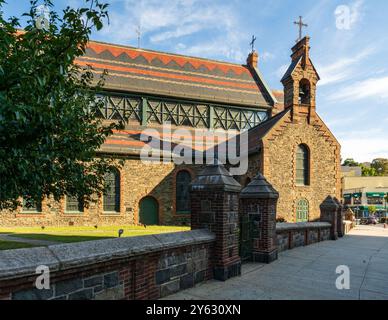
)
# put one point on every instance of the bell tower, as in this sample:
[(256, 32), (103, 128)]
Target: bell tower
[(300, 82)]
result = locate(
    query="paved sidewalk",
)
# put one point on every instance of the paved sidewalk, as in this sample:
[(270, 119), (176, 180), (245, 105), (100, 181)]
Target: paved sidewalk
[(308, 273), (34, 242)]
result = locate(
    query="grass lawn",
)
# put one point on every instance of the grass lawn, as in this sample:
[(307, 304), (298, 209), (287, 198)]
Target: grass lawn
[(8, 245), (78, 234)]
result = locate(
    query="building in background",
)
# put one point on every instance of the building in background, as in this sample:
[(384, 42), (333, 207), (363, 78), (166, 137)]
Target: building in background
[(348, 171), (364, 195)]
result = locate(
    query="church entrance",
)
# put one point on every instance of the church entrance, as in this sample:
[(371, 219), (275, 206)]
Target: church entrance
[(149, 211)]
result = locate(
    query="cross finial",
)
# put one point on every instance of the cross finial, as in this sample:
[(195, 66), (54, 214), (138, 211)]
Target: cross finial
[(138, 32), (301, 25), (252, 44)]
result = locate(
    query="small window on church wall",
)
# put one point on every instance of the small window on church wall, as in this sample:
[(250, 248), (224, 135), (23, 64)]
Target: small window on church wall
[(74, 204), (302, 166), (30, 206), (302, 211), (183, 180), (111, 199), (304, 92)]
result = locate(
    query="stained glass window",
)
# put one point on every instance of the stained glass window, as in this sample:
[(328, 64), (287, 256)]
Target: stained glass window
[(302, 211), (183, 180), (302, 165), (74, 204), (111, 200)]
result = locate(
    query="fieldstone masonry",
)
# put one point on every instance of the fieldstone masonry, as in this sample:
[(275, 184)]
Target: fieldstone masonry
[(292, 235)]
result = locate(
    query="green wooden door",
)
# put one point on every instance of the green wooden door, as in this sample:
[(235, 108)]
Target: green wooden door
[(149, 211)]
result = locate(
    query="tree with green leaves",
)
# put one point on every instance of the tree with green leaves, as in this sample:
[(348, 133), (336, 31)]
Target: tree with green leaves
[(49, 129), (368, 172), (350, 163), (372, 210), (381, 166)]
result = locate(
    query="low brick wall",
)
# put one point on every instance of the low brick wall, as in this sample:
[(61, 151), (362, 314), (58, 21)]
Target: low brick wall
[(292, 235), (148, 267)]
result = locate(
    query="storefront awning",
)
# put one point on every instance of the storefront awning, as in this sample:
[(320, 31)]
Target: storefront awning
[(376, 194), (357, 195)]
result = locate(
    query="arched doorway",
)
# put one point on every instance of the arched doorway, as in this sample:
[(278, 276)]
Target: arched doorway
[(149, 211)]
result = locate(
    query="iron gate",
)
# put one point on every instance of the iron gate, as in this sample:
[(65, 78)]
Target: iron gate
[(249, 229)]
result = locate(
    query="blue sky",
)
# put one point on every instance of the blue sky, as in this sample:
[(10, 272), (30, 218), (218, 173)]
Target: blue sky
[(352, 60)]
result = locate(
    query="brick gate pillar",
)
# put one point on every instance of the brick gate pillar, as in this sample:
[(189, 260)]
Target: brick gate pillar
[(214, 205), (329, 212), (259, 200), (340, 218)]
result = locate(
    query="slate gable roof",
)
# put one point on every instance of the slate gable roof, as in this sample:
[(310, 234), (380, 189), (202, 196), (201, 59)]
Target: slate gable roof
[(150, 72)]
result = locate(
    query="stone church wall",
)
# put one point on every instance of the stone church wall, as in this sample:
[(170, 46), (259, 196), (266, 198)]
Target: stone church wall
[(280, 169), (137, 179)]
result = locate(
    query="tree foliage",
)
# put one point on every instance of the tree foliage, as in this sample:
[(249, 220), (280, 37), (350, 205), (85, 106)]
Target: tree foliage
[(381, 166), (49, 129), (350, 163), (378, 167)]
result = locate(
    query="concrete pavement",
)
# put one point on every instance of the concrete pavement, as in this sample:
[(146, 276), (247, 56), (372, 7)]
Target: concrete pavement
[(309, 273)]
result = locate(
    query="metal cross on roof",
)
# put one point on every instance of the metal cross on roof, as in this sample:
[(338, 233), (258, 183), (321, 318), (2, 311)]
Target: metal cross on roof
[(301, 25), (138, 32), (252, 44)]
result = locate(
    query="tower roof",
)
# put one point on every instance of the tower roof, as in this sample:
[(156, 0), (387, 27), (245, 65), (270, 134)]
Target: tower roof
[(259, 188)]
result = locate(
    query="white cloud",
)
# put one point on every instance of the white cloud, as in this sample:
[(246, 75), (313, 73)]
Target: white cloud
[(177, 33), (280, 72), (267, 56), (369, 88), (173, 20), (356, 12), (364, 149), (227, 45), (343, 68)]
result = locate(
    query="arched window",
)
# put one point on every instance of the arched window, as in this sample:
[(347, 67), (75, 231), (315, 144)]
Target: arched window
[(111, 200), (183, 180), (74, 204), (302, 165), (304, 91), (302, 211)]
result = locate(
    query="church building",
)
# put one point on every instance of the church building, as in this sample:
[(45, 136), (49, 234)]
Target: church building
[(288, 141)]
